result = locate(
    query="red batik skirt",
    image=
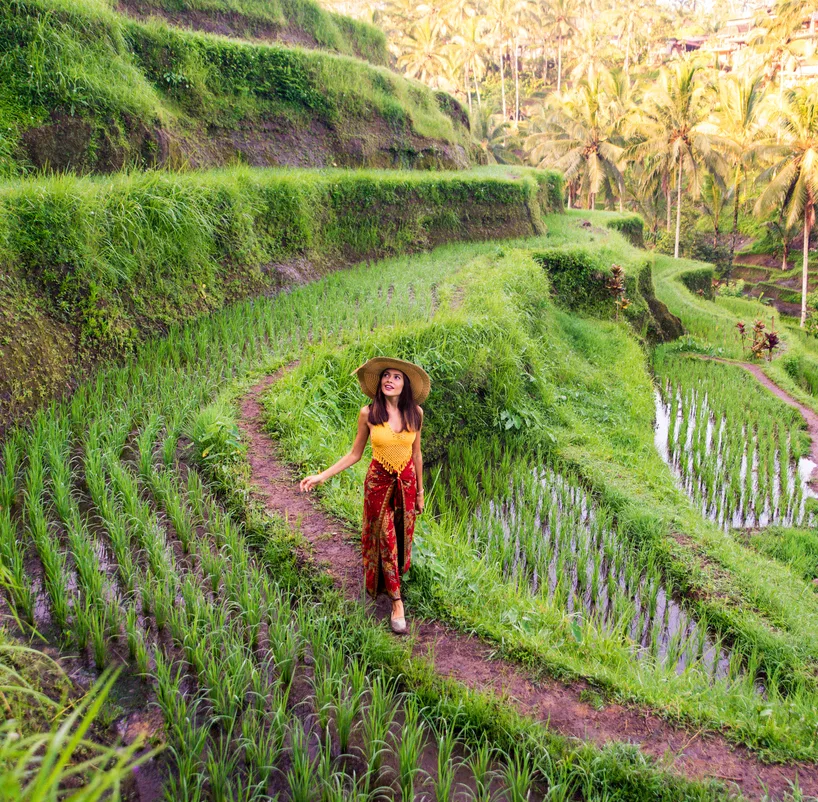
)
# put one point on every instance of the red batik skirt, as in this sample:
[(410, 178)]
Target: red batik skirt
[(389, 524)]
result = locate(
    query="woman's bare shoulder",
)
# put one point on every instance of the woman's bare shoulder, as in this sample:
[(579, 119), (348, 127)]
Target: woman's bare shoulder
[(364, 413)]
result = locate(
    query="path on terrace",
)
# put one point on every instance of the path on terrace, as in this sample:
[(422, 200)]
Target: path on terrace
[(694, 754)]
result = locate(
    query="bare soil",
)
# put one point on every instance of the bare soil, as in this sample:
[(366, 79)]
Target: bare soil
[(694, 754)]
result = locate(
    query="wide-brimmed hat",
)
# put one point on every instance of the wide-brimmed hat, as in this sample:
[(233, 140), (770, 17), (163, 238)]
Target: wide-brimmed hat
[(369, 376)]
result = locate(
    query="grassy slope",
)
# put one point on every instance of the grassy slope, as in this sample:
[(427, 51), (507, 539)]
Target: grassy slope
[(85, 88), (593, 395), (91, 266), (300, 22)]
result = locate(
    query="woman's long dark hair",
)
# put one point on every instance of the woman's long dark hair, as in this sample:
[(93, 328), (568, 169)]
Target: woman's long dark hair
[(409, 410)]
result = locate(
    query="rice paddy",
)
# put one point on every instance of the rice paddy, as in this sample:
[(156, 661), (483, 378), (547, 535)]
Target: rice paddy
[(121, 550), (550, 536), (738, 452)]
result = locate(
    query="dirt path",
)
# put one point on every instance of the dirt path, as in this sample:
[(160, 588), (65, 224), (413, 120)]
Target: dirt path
[(469, 660), (808, 414)]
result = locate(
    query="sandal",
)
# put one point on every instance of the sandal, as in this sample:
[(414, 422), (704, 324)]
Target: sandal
[(398, 625)]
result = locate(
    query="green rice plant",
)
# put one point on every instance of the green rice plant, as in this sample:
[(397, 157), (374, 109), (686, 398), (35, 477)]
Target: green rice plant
[(410, 747), (227, 676), (285, 644), (518, 776), (560, 777), (12, 559), (479, 762), (301, 778), (732, 444), (98, 630), (222, 769), (326, 679), (445, 741), (347, 705), (263, 740), (377, 723), (12, 458)]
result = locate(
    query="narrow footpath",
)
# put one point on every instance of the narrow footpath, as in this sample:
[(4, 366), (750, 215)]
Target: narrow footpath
[(694, 754)]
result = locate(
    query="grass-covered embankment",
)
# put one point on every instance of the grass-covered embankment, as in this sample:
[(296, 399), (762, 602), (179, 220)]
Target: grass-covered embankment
[(303, 23), (520, 384), (91, 266), (87, 89)]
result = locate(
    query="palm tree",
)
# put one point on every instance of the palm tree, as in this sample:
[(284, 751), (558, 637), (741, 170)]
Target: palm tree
[(774, 37), (713, 201), (560, 16), (424, 55), (492, 134), (501, 12), (671, 132), (785, 234), (794, 186), (472, 49), (737, 126), (577, 138)]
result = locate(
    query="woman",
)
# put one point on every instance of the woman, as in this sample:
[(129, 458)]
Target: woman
[(393, 490)]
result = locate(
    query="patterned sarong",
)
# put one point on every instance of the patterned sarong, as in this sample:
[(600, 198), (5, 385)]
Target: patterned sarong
[(389, 524)]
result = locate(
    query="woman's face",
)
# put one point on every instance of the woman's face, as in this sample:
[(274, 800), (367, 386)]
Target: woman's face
[(391, 383)]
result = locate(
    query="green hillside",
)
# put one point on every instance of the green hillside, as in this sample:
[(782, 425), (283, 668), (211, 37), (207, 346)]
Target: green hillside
[(84, 88), (302, 23)]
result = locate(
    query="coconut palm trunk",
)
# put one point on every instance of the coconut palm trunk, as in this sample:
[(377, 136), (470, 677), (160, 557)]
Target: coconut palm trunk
[(468, 85), (559, 64), (734, 235), (503, 84), (805, 266), (678, 210), (516, 83)]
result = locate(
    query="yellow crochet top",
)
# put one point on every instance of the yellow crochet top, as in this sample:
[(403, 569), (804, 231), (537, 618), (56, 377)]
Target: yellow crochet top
[(392, 449)]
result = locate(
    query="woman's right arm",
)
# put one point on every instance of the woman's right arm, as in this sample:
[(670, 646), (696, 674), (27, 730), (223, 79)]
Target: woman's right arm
[(355, 454)]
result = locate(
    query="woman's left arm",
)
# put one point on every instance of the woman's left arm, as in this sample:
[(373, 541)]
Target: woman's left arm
[(417, 458)]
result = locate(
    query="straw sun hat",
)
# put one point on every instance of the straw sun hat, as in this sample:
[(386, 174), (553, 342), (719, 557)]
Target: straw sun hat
[(369, 376)]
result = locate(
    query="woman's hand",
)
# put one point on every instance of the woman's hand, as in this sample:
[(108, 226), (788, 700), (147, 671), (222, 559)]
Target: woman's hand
[(419, 503), (309, 482)]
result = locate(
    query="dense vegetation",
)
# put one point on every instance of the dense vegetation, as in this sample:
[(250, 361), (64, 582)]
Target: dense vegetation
[(75, 250), (615, 506), (85, 88), (724, 139)]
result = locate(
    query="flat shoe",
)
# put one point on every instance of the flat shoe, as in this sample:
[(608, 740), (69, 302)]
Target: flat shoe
[(398, 625)]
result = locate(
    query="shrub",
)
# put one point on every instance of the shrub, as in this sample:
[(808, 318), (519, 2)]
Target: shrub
[(699, 281), (631, 226)]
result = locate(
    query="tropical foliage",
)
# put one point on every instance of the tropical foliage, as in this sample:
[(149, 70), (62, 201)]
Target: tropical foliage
[(604, 92)]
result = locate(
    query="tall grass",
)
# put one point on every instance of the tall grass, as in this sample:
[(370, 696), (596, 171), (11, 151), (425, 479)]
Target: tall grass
[(194, 242)]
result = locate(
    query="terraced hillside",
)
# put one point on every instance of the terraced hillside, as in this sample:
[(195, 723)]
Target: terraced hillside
[(86, 88), (764, 276), (613, 592)]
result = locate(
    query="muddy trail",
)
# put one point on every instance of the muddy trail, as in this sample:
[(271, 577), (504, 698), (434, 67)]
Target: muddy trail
[(693, 754), (809, 415)]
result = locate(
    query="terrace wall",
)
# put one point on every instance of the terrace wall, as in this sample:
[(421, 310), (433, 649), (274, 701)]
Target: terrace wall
[(90, 267)]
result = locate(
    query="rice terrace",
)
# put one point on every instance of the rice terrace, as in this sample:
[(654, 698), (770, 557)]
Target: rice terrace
[(408, 402)]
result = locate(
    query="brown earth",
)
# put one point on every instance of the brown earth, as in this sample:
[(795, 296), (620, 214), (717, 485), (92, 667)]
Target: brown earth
[(695, 754)]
